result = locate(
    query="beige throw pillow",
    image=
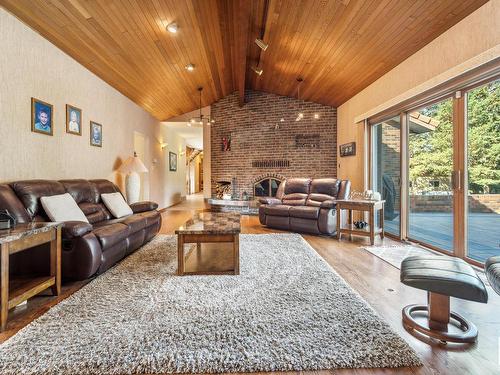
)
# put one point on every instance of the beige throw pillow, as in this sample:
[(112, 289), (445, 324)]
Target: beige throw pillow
[(62, 207), (115, 203)]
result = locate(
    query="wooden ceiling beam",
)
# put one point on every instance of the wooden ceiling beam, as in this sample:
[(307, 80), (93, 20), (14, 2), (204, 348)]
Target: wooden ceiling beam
[(241, 27)]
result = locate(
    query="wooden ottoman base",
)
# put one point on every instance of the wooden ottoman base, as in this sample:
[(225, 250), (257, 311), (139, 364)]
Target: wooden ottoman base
[(438, 317)]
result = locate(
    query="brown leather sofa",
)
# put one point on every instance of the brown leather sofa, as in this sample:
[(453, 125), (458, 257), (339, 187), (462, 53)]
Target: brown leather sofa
[(305, 205), (87, 249)]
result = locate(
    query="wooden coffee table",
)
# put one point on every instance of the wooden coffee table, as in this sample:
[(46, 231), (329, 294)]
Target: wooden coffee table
[(217, 251)]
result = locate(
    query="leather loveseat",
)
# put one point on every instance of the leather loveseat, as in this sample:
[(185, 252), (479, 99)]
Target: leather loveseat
[(87, 248), (305, 205)]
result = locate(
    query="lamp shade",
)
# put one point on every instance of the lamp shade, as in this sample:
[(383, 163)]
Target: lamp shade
[(133, 164)]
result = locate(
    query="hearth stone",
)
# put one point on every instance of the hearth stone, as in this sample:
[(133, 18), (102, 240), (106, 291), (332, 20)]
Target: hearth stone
[(246, 207)]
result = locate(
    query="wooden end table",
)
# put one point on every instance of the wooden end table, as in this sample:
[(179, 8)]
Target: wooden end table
[(211, 229), (369, 206), (21, 238)]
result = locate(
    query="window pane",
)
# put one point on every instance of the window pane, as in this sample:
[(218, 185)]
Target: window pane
[(430, 144), (386, 172), (483, 144)]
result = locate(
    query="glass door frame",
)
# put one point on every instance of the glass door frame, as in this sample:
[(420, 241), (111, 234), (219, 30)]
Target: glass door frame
[(458, 93)]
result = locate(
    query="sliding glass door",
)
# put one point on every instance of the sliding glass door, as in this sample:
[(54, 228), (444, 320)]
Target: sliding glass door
[(438, 168), (483, 165), (386, 171), (430, 167)]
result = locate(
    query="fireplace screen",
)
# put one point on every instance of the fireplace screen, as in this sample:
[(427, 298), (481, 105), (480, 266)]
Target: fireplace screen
[(266, 187)]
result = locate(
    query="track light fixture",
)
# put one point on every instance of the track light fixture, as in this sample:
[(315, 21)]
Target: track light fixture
[(263, 46), (259, 71)]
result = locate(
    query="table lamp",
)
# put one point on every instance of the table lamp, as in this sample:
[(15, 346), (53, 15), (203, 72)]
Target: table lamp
[(132, 167)]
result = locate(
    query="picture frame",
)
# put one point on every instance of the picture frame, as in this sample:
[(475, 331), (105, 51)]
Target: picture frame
[(42, 117), (73, 120), (95, 134), (348, 149), (172, 161)]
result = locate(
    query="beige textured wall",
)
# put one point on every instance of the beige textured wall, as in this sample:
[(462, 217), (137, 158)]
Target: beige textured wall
[(173, 182), (472, 42), (30, 66)]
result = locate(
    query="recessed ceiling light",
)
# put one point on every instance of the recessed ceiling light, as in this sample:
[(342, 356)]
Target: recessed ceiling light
[(259, 71), (282, 120), (189, 67), (263, 46), (316, 116), (172, 27), (193, 121), (212, 121)]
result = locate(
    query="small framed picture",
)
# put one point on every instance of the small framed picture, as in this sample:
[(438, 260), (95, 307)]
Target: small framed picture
[(73, 120), (42, 115), (95, 134), (348, 149), (172, 161)]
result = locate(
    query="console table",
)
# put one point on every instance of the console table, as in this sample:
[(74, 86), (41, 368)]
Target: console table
[(23, 237), (369, 206)]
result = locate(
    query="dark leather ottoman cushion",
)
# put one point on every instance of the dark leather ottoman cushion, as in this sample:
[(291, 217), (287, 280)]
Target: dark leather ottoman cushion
[(108, 235), (277, 210), (444, 275), (304, 212), (492, 269)]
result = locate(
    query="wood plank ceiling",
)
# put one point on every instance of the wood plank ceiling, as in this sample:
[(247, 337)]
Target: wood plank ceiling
[(338, 47)]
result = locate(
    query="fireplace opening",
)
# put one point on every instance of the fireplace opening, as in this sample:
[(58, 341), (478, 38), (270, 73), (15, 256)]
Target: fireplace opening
[(267, 187)]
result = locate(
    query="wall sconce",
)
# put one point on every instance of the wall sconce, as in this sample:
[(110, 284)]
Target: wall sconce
[(163, 145)]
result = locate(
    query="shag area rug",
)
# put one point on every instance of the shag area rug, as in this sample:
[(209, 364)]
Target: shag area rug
[(288, 310)]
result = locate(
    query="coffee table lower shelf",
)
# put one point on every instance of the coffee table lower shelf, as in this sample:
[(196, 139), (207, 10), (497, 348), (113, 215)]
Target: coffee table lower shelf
[(214, 254)]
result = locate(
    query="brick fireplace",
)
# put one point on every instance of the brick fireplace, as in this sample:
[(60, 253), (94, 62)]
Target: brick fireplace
[(267, 143)]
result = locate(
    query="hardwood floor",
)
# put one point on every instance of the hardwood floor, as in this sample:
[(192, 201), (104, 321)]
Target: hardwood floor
[(375, 280)]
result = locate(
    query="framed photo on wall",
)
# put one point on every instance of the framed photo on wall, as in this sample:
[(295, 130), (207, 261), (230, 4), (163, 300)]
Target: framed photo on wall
[(348, 149), (95, 134), (172, 161), (73, 120), (42, 115)]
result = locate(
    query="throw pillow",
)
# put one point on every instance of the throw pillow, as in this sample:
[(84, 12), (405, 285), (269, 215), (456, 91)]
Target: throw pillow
[(62, 207), (115, 203)]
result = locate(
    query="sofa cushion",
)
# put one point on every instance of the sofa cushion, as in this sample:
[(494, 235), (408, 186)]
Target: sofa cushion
[(297, 185), (315, 199), (295, 199), (152, 217), (116, 204), (110, 234), (305, 212), (62, 207), (277, 210), (327, 186), (135, 222), (9, 201), (89, 208), (97, 217), (104, 187), (81, 190), (30, 192)]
